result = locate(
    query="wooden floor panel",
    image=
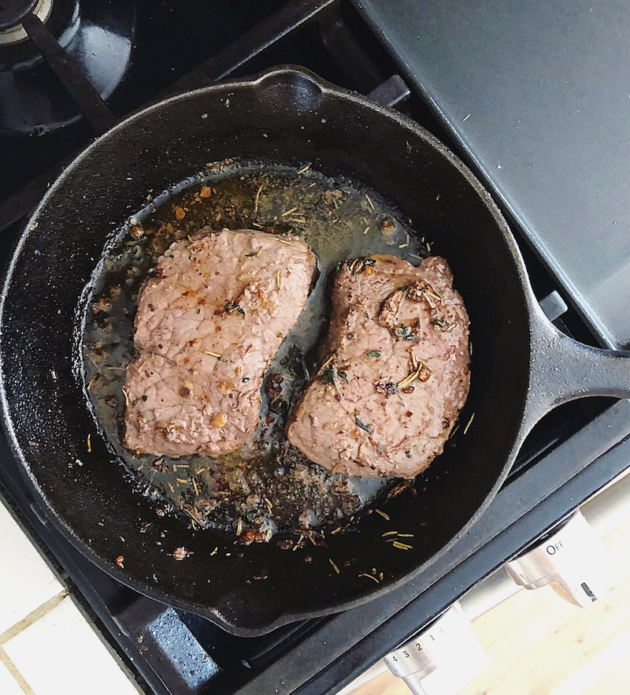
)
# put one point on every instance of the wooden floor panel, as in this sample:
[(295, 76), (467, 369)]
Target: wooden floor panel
[(539, 644)]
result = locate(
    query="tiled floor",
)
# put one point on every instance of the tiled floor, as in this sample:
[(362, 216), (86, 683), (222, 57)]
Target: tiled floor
[(47, 647)]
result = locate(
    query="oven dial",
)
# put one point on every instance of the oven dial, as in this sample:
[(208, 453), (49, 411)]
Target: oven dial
[(572, 560), (442, 659)]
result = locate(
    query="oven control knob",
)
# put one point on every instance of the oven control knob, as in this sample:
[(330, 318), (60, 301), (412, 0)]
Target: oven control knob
[(572, 559), (442, 659)]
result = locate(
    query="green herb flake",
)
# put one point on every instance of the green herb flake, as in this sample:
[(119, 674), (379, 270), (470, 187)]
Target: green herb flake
[(332, 375), (362, 425), (252, 253), (402, 331), (329, 376), (373, 354)]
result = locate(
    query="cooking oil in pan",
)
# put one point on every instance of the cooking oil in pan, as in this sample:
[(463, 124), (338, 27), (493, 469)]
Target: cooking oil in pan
[(267, 486)]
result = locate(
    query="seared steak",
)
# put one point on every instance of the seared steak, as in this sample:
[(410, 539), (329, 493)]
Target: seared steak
[(394, 370), (208, 324)]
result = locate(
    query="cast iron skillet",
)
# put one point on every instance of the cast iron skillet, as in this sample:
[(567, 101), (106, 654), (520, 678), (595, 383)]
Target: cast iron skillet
[(522, 367)]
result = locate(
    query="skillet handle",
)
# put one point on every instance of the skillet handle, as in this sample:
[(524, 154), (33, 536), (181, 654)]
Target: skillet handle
[(563, 370)]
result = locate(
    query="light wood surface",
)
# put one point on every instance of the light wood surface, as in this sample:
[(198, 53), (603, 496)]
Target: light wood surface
[(539, 644)]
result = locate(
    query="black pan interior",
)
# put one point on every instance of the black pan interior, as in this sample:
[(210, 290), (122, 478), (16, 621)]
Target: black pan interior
[(285, 116)]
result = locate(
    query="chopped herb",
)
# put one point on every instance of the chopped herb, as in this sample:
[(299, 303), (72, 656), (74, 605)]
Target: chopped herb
[(214, 354), (469, 423), (233, 307), (422, 290), (401, 487), (252, 253), (422, 373), (439, 323), (329, 376), (369, 576), (387, 388), (402, 331), (408, 379), (359, 265), (373, 354), (362, 425), (328, 361), (332, 375), (257, 199)]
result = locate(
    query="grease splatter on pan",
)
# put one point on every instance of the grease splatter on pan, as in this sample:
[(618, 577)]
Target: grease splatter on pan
[(268, 486)]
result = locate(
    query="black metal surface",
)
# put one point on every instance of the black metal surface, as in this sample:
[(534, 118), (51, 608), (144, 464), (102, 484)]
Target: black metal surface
[(522, 512), (128, 50), (285, 115), (12, 12), (533, 94), (559, 476), (23, 202), (69, 72), (392, 92), (40, 121), (319, 656), (290, 18)]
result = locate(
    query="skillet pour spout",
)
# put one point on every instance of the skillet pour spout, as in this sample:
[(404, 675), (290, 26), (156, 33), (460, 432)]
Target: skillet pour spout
[(520, 368)]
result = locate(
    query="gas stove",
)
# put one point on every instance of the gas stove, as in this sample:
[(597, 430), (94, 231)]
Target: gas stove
[(69, 69)]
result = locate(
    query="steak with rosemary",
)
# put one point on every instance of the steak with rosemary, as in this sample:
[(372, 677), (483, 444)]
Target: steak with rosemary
[(209, 321), (394, 371)]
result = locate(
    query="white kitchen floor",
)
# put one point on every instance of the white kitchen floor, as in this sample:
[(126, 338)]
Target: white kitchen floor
[(47, 646)]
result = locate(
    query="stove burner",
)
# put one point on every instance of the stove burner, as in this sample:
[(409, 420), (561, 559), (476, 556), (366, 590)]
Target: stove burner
[(12, 12), (81, 36)]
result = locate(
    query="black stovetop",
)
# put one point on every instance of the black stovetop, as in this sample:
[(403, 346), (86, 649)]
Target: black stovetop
[(571, 454)]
